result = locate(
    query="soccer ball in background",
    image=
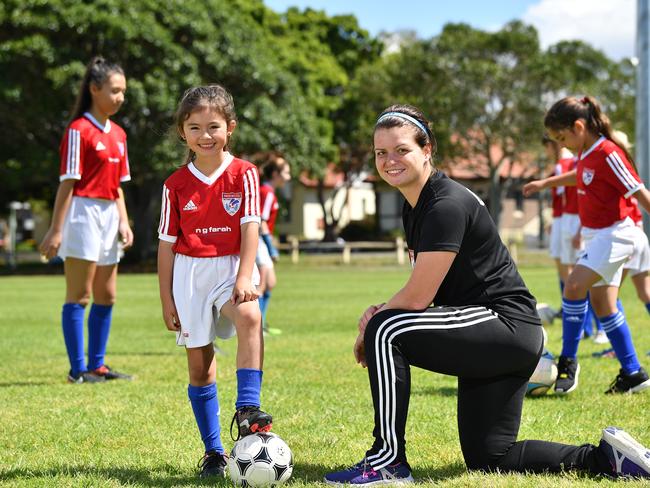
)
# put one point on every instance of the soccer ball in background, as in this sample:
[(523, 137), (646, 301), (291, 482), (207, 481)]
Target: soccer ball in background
[(547, 313), (544, 375), (261, 459)]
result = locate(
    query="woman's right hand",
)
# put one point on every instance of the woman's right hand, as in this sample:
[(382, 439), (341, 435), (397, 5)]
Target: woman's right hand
[(51, 244), (532, 187), (170, 315), (368, 314), (360, 351)]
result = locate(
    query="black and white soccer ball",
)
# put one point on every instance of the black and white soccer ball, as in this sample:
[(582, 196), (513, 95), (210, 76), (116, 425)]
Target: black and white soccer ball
[(261, 459), (544, 376)]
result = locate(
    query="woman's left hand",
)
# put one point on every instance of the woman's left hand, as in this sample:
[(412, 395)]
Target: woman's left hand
[(126, 234), (360, 351)]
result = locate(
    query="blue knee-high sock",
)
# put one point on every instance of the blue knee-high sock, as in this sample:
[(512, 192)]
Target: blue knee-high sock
[(573, 317), (72, 320), (264, 304), (618, 333), (205, 405), (249, 386), (647, 307), (99, 326)]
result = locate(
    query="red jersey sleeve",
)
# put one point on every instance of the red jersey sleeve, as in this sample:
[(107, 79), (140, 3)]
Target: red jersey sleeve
[(251, 183), (623, 175), (71, 151), (125, 170), (169, 216)]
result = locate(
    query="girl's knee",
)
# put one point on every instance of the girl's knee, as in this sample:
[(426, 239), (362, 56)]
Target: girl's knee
[(250, 317)]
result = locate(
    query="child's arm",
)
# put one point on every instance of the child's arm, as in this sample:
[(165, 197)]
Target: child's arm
[(244, 290), (643, 197), (52, 240), (125, 229), (565, 179), (165, 274)]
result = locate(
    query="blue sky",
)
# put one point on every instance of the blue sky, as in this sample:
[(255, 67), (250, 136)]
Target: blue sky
[(606, 24)]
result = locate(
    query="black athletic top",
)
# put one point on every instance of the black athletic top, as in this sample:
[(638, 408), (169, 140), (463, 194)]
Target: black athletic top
[(449, 217)]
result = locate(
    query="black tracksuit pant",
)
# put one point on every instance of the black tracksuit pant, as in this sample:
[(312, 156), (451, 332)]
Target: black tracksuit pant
[(493, 358)]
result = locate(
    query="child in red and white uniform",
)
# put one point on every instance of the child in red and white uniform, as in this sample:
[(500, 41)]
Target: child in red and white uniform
[(89, 215), (605, 179), (275, 173), (209, 225)]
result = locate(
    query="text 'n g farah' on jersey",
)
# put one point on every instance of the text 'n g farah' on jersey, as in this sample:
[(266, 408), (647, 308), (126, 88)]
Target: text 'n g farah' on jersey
[(270, 205), (606, 181), (96, 156), (450, 217), (202, 215)]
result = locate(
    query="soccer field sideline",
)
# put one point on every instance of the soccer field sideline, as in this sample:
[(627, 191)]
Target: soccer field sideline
[(142, 433)]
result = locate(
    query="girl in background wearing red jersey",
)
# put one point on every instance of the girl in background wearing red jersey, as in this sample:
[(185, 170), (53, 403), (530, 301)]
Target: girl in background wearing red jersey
[(89, 214), (209, 227), (275, 173), (606, 178)]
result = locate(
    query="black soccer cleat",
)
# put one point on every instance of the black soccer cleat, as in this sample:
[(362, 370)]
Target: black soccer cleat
[(630, 383), (568, 371), (249, 420), (212, 464), (84, 377), (110, 374)]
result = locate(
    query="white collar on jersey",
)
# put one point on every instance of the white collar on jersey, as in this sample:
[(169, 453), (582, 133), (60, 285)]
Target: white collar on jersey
[(208, 180), (104, 128), (593, 146)]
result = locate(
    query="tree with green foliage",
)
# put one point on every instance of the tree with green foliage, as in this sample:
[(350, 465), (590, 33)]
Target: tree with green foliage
[(164, 49)]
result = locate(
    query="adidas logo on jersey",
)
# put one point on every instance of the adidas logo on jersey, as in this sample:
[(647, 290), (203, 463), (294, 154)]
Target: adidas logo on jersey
[(100, 146), (189, 206)]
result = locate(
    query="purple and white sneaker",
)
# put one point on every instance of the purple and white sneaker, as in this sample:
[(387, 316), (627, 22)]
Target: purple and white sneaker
[(627, 457), (392, 474), (363, 474), (348, 474)]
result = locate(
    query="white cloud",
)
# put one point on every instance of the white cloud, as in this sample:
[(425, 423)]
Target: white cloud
[(609, 25)]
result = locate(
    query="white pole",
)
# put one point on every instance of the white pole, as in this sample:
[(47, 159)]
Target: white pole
[(643, 96)]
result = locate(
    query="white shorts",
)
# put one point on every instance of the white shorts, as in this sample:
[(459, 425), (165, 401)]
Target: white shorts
[(555, 238), (201, 286), (607, 250), (639, 262), (90, 231), (570, 224), (263, 258)]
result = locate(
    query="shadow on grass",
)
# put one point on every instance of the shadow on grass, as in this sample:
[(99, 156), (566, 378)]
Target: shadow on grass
[(7, 384), (162, 477), (444, 391)]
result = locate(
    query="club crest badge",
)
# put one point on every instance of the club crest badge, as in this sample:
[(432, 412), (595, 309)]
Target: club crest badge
[(231, 202), (587, 175)]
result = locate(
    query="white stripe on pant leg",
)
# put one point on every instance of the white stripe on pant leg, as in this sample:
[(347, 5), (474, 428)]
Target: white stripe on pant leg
[(390, 455), (386, 384), (439, 315)]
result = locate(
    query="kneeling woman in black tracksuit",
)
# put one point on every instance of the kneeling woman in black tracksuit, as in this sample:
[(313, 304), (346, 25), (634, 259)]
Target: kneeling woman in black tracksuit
[(484, 328)]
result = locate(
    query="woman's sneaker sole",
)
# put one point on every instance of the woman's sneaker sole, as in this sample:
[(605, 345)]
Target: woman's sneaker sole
[(627, 456)]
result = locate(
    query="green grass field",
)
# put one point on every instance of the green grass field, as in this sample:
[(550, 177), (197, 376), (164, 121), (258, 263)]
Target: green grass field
[(142, 433)]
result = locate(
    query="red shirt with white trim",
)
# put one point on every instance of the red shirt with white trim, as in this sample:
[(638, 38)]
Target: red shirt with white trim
[(96, 156), (269, 203), (606, 180), (570, 192), (202, 214)]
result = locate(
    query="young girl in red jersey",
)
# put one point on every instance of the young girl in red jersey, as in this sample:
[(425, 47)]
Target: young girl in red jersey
[(89, 214), (606, 179), (275, 172), (209, 226)]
